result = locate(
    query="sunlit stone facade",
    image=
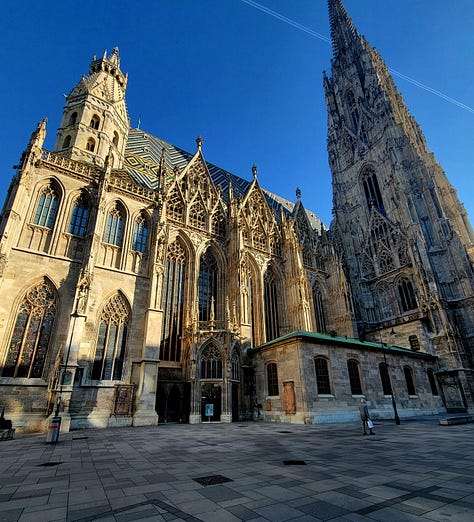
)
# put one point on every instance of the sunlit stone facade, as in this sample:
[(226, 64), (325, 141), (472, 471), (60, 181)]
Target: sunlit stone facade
[(141, 284)]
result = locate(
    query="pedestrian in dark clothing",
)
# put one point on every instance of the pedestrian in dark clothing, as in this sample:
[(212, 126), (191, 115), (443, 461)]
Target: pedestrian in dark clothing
[(365, 418)]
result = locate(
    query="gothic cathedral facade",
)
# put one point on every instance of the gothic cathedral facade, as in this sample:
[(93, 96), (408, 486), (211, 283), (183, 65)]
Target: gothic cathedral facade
[(140, 283)]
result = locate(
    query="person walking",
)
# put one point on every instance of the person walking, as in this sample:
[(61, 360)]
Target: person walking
[(365, 418)]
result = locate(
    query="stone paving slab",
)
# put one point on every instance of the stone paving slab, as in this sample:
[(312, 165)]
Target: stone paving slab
[(416, 471)]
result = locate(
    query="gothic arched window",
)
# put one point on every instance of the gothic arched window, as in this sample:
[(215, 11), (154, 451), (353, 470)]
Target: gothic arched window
[(407, 295), (211, 362), (207, 286), (197, 216), (272, 379), (409, 380), (319, 309), (173, 303), (32, 333), (354, 376), (95, 120), (47, 207), (323, 381), (67, 141), (385, 378), (218, 224), (90, 145), (235, 366), (79, 215), (140, 234), (73, 118), (372, 191), (111, 340), (113, 230), (270, 296)]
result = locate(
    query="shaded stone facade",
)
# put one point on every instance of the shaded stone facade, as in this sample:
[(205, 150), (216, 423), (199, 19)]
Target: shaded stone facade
[(140, 283)]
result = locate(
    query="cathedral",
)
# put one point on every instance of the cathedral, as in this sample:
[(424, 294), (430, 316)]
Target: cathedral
[(140, 284)]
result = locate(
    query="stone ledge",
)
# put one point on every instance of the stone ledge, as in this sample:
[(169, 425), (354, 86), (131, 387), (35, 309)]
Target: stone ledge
[(451, 421)]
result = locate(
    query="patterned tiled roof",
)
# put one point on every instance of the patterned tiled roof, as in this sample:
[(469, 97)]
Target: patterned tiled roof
[(143, 156)]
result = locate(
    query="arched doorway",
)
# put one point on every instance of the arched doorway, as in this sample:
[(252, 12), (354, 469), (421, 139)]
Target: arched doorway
[(211, 402)]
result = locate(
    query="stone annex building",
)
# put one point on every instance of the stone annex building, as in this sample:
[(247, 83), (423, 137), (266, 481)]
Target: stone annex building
[(139, 283)]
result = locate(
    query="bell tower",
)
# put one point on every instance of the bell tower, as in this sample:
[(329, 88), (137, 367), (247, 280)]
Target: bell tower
[(405, 238), (95, 121)]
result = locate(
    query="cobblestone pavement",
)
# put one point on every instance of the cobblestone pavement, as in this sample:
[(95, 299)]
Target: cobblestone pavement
[(247, 471)]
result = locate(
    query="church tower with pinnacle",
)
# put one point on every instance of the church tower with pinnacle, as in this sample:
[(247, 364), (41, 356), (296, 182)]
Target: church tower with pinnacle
[(405, 238), (95, 123)]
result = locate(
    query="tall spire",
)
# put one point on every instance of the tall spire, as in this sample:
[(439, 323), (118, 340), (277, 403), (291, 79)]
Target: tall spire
[(343, 32)]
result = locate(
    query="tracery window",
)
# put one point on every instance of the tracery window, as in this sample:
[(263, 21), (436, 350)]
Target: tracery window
[(372, 191), (32, 333), (46, 208), (323, 381), (111, 340), (67, 141), (218, 224), (272, 379), (79, 216), (319, 313), (354, 376), (173, 303), (270, 294), (140, 234), (385, 301), (407, 295), (409, 380), (113, 230), (259, 240), (197, 216), (211, 362), (175, 206), (207, 286), (385, 378), (385, 262)]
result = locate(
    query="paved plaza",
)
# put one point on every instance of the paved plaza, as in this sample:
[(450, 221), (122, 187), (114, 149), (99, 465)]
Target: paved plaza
[(242, 471)]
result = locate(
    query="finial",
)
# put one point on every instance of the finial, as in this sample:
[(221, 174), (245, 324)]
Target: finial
[(298, 193), (254, 171), (139, 121), (199, 142)]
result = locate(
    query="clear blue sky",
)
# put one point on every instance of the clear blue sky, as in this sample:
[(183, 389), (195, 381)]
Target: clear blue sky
[(248, 82)]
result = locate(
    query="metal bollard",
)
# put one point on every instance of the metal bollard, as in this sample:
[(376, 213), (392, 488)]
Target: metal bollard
[(52, 435)]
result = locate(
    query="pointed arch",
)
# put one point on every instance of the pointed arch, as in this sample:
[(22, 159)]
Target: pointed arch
[(271, 290), (47, 205), (115, 225), (111, 339), (210, 361), (197, 214), (140, 233), (32, 332), (208, 283), (406, 294), (79, 215), (371, 188), (319, 307), (173, 301)]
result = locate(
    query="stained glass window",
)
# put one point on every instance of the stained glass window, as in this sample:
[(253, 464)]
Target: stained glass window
[(140, 235), (80, 213), (32, 333), (207, 285), (173, 303), (47, 207), (272, 326), (113, 231), (211, 363), (111, 340)]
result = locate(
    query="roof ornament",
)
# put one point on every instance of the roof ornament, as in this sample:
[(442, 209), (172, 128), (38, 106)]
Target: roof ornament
[(254, 171), (298, 193), (199, 142)]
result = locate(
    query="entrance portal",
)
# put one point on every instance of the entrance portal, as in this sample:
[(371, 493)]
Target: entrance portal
[(211, 402)]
